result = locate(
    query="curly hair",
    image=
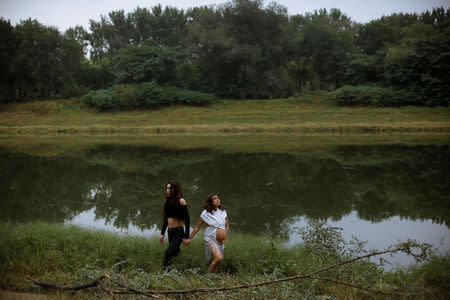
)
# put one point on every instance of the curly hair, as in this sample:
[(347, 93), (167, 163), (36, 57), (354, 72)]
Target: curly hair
[(209, 203)]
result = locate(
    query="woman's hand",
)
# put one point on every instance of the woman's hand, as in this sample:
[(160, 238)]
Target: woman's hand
[(161, 239), (196, 229), (186, 242)]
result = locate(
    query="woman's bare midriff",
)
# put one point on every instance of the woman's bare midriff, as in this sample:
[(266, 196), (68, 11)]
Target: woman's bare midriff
[(174, 222), (220, 235)]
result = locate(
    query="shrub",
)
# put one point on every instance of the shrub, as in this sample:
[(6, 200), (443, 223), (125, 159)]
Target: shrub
[(372, 95), (125, 94), (189, 97), (102, 99), (145, 95), (151, 95), (42, 107)]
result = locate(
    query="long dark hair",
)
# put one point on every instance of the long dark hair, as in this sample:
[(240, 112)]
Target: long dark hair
[(174, 197), (209, 203)]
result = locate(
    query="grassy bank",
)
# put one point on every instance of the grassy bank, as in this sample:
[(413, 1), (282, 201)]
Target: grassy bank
[(71, 255), (306, 114)]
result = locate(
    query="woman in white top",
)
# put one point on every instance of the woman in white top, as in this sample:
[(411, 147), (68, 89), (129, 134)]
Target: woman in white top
[(216, 232)]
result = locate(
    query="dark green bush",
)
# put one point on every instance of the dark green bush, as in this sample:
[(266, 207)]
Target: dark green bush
[(125, 95), (189, 97), (372, 95), (102, 99), (150, 95), (145, 95), (145, 63)]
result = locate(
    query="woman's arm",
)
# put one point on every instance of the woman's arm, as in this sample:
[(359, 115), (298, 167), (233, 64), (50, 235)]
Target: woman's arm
[(227, 228), (187, 220), (196, 229), (164, 227), (227, 225)]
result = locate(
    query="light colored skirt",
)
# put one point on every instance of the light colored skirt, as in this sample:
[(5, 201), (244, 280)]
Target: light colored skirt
[(211, 242)]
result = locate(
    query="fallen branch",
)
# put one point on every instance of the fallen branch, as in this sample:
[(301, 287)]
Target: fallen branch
[(310, 275), (69, 287), (347, 284), (405, 247), (94, 283), (130, 289)]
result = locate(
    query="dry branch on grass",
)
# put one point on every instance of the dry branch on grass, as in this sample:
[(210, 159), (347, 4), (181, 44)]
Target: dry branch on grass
[(403, 247)]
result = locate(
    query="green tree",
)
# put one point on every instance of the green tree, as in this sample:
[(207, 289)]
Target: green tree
[(240, 48), (206, 43), (375, 35), (93, 76), (8, 52), (422, 65), (46, 62), (38, 59), (361, 68), (79, 34), (145, 63), (167, 26), (164, 27), (327, 40), (71, 56)]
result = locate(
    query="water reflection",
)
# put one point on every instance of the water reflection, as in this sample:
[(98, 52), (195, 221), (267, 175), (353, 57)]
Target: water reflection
[(123, 185), (382, 234), (88, 219)]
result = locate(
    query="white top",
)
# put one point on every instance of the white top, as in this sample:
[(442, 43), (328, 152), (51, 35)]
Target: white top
[(215, 219)]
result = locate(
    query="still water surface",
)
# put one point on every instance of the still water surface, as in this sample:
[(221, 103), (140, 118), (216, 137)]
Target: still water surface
[(379, 193)]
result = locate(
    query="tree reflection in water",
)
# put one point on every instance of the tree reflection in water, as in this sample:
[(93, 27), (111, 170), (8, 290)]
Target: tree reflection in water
[(260, 190)]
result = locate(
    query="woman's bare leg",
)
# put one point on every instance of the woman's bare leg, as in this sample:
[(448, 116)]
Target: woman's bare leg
[(217, 258)]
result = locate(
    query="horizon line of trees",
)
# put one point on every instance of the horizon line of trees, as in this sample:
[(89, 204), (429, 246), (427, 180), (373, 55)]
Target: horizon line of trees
[(240, 49)]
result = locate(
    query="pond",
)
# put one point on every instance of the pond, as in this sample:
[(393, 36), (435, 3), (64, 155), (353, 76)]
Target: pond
[(381, 193)]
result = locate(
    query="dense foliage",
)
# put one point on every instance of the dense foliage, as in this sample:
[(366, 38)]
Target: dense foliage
[(240, 49), (145, 95), (361, 95)]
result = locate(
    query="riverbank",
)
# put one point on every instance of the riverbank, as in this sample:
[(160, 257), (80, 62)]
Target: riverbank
[(71, 255), (306, 114), (75, 145)]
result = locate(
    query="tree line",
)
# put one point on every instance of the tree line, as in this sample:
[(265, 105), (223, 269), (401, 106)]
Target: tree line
[(240, 49)]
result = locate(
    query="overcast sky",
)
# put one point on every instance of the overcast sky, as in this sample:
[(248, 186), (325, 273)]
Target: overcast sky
[(68, 13)]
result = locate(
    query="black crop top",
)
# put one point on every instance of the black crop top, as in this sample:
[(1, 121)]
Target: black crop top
[(177, 211)]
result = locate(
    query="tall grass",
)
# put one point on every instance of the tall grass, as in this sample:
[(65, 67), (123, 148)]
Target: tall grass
[(47, 107), (70, 255), (41, 248)]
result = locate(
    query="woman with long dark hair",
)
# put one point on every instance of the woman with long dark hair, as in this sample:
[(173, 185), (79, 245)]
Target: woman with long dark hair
[(216, 219), (175, 212)]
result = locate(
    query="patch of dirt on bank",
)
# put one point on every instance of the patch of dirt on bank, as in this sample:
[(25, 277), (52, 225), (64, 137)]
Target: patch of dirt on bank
[(8, 295)]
